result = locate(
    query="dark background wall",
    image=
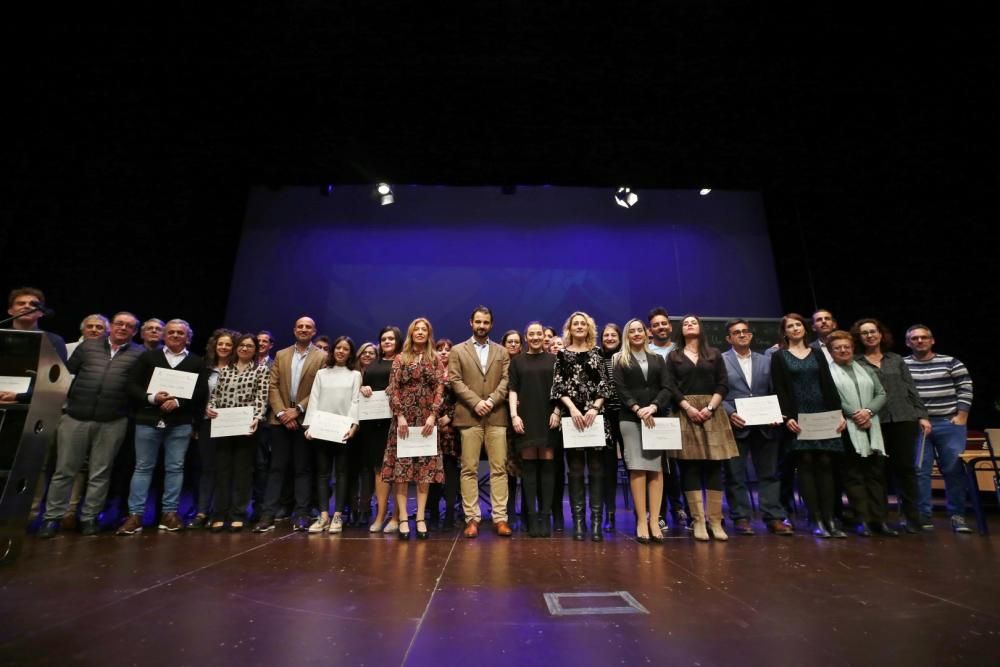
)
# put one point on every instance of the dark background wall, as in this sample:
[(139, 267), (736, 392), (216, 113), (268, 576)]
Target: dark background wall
[(538, 254), (131, 141)]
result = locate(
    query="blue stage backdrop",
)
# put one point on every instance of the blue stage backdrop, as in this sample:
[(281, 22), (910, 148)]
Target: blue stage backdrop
[(540, 253)]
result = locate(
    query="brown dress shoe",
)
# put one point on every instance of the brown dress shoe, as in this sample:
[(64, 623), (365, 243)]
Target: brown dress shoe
[(170, 521), (471, 529), (743, 527), (132, 525), (779, 527), (503, 529)]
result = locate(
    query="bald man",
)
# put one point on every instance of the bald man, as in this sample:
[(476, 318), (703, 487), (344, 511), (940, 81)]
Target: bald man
[(292, 376)]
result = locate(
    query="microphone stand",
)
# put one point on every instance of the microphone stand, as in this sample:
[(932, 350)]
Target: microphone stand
[(33, 309)]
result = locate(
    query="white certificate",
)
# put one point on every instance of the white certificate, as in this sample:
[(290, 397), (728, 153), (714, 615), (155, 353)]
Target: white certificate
[(179, 384), (759, 410), (819, 425), (14, 383), (591, 437), (329, 426), (665, 435), (232, 421), (374, 407), (417, 445)]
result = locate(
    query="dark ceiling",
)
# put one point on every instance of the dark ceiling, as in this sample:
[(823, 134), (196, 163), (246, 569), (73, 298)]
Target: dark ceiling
[(733, 95)]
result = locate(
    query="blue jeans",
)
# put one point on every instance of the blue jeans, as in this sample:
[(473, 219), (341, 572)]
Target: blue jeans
[(947, 441), (147, 448)]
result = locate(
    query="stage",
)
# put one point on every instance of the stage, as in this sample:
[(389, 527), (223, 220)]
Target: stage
[(195, 598)]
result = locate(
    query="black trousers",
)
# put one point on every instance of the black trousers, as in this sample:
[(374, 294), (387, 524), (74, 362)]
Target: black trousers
[(610, 462), (901, 446), (328, 455), (234, 457), (864, 483), (290, 451)]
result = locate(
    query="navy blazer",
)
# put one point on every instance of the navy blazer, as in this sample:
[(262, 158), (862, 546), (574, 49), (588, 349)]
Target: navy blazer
[(760, 385)]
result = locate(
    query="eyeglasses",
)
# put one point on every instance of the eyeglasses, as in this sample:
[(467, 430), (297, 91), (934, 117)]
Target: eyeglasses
[(740, 332), (246, 346), (368, 353)]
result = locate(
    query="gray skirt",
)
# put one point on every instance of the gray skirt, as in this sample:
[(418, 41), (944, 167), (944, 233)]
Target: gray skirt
[(635, 457)]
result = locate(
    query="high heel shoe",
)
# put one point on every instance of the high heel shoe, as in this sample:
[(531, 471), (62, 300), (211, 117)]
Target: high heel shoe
[(421, 534), (404, 530), (391, 526), (641, 539), (656, 539)]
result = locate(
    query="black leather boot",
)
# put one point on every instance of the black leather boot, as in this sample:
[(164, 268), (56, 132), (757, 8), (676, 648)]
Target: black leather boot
[(596, 534), (609, 522), (576, 503), (544, 524)]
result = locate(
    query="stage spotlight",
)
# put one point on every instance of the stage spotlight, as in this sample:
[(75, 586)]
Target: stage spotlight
[(704, 191), (385, 195), (626, 198)]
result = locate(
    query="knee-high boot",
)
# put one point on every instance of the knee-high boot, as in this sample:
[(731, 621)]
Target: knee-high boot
[(576, 502), (714, 511), (596, 505), (697, 509)]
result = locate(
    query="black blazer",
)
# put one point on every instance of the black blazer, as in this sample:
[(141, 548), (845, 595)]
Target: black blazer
[(634, 389), (781, 379), (188, 411)]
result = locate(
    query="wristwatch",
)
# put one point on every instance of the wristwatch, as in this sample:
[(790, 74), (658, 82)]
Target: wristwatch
[(710, 408)]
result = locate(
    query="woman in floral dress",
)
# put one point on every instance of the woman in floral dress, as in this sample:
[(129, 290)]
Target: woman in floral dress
[(416, 391)]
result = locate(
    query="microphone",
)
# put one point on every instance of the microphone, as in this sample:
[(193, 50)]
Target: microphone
[(39, 306)]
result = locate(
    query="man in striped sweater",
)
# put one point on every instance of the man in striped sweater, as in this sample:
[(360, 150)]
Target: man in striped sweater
[(945, 386)]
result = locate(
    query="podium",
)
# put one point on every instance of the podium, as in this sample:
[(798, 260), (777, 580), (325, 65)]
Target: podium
[(27, 427)]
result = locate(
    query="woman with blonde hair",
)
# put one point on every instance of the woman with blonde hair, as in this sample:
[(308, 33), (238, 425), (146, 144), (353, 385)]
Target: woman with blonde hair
[(580, 383), (416, 392), (643, 388)]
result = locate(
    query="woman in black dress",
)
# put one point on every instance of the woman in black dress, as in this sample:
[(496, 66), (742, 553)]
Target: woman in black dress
[(699, 382), (802, 381), (373, 433), (449, 455), (535, 419), (580, 382), (611, 343)]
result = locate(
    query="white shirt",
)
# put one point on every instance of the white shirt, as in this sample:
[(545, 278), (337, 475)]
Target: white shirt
[(746, 364), (336, 389), (298, 361), (483, 350)]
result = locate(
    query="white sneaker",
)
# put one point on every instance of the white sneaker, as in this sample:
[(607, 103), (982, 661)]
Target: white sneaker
[(391, 527), (319, 525), (337, 524), (958, 524)]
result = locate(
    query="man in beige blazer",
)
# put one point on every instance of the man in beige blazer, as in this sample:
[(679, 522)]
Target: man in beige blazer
[(292, 375), (477, 370)]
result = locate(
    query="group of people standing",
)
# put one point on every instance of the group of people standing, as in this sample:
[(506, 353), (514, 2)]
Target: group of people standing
[(513, 399)]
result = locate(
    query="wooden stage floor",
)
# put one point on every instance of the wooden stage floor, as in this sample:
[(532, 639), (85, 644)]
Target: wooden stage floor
[(195, 598)]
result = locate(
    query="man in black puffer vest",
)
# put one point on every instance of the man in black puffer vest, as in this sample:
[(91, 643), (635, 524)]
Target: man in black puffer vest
[(94, 424)]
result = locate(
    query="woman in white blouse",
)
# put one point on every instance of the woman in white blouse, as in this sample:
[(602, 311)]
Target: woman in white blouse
[(336, 390)]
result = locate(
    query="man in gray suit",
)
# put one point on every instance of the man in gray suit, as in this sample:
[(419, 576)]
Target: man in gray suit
[(750, 375)]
